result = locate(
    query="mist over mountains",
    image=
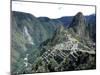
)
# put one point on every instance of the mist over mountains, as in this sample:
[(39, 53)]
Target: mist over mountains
[(41, 44)]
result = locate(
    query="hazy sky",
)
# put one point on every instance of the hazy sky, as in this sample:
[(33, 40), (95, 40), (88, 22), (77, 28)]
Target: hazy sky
[(51, 10)]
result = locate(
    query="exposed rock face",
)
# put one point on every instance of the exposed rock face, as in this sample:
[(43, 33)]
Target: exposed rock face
[(80, 25)]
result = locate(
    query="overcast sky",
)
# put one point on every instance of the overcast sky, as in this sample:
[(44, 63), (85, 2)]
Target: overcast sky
[(51, 10)]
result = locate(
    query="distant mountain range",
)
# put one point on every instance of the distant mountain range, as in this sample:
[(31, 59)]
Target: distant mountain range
[(66, 20), (41, 44)]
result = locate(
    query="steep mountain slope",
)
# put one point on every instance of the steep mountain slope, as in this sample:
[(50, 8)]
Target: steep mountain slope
[(89, 21), (92, 26), (79, 25), (27, 34)]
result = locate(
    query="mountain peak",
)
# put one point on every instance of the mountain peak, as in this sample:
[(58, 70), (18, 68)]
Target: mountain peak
[(79, 17), (79, 24), (78, 20), (79, 14)]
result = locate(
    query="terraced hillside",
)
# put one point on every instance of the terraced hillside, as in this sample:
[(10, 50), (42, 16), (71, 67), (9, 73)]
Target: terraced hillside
[(67, 54)]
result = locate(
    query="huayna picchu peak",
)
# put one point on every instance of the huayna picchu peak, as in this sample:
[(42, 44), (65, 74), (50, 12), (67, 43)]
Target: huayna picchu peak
[(79, 25)]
